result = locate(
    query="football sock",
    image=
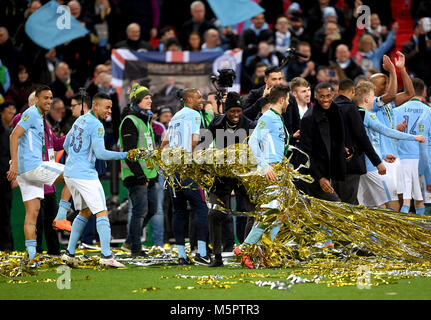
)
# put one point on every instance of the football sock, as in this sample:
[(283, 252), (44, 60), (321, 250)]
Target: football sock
[(104, 230), (31, 248), (78, 226), (405, 209), (62, 210), (181, 251), (420, 210), (202, 248)]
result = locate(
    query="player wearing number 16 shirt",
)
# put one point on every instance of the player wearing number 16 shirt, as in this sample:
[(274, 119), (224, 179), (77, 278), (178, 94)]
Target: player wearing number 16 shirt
[(84, 143)]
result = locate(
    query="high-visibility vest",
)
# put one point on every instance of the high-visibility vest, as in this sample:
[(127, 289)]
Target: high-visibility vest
[(145, 140)]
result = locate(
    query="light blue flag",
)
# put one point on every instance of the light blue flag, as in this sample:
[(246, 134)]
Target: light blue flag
[(230, 12), (53, 25)]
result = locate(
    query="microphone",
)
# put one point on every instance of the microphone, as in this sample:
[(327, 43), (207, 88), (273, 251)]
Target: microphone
[(294, 53)]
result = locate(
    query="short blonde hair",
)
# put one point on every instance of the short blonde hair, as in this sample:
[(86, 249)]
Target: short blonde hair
[(366, 38), (298, 82), (361, 90)]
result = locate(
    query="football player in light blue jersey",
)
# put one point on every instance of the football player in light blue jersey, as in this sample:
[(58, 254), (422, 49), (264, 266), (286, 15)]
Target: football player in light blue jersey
[(376, 188), (269, 143), (27, 144), (183, 132), (418, 118), (84, 143), (387, 97)]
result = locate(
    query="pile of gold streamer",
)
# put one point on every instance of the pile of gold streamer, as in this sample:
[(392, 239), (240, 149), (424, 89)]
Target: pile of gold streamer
[(306, 221)]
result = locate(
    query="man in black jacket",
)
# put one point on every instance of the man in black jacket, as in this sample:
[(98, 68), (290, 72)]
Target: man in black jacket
[(227, 129), (6, 241), (322, 138), (255, 102), (357, 142)]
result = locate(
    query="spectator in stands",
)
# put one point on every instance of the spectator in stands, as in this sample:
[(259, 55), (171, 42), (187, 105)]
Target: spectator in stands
[(197, 23), (105, 18), (282, 35), (8, 111), (264, 54), (81, 53), (43, 71), (317, 14), (350, 69), (92, 85), (369, 55), (194, 42), (297, 28), (63, 86), (212, 41), (417, 52), (376, 29), (20, 88), (172, 44), (302, 67), (6, 240), (325, 41), (229, 39), (165, 33), (10, 54), (167, 95), (164, 115), (5, 80), (133, 41), (55, 116), (258, 78), (258, 31), (146, 13)]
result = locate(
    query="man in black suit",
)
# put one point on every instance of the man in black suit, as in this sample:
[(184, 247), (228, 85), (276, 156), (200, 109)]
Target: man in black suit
[(357, 142), (255, 102), (322, 138)]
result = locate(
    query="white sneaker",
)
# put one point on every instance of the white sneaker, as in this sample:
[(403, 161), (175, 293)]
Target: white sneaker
[(110, 262), (69, 259)]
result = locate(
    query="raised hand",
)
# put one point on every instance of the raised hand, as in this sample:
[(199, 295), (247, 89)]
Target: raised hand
[(400, 60)]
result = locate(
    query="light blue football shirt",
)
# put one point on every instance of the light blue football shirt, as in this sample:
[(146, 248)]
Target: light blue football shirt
[(84, 143), (385, 114), (418, 118), (31, 142), (181, 127), (269, 139), (376, 131)]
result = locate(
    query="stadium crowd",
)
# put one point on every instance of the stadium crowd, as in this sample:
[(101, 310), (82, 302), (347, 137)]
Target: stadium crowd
[(353, 101)]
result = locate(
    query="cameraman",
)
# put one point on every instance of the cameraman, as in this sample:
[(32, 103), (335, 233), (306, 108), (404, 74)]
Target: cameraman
[(255, 102), (227, 129)]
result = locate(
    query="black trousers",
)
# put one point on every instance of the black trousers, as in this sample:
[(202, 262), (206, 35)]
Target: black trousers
[(216, 218), (348, 189), (47, 214), (6, 240)]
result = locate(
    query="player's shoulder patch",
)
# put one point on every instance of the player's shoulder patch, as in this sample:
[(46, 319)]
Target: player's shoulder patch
[(100, 132), (262, 124), (373, 116), (26, 117)]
